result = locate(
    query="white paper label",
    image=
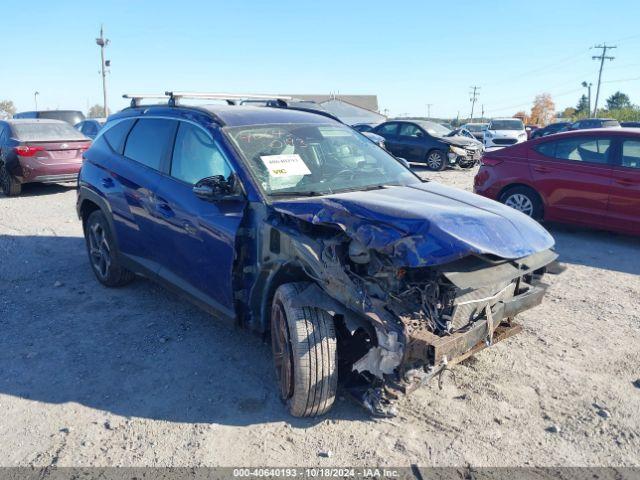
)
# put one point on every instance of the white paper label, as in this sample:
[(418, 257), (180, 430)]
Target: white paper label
[(285, 165)]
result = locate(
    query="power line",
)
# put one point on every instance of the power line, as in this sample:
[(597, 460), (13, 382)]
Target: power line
[(602, 57)]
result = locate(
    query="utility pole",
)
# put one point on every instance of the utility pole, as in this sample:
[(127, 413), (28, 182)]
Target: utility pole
[(102, 43), (602, 58), (474, 97), (482, 116), (35, 99), (588, 87), (429, 105)]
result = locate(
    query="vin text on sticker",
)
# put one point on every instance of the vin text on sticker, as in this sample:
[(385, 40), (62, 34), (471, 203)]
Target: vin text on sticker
[(285, 165)]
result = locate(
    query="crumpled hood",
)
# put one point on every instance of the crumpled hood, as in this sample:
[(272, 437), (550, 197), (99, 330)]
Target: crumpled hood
[(424, 224), (461, 141)]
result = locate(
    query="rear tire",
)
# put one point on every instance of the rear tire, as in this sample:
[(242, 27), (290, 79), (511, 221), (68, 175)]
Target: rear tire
[(103, 257), (304, 349), (525, 200), (10, 186), (436, 160)]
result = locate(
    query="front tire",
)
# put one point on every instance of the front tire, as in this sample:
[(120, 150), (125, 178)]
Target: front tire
[(304, 349), (525, 200), (10, 186), (101, 248), (436, 160)]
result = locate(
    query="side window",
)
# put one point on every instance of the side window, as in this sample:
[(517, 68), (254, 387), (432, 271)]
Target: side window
[(410, 130), (388, 129), (631, 153), (117, 134), (584, 149), (548, 149), (196, 156), (150, 141), (89, 128)]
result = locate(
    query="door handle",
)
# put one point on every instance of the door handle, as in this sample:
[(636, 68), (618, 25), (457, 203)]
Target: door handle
[(163, 207), (541, 169)]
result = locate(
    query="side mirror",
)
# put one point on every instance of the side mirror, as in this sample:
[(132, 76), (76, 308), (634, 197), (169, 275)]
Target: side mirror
[(419, 134), (216, 188), (404, 162)]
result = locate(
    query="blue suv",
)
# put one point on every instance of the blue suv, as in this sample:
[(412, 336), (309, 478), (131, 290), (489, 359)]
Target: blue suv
[(288, 223)]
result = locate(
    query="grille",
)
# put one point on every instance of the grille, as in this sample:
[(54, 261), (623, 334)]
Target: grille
[(504, 141), (469, 306)]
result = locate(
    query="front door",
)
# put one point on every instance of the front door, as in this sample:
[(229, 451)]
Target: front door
[(196, 238), (574, 177), (624, 201)]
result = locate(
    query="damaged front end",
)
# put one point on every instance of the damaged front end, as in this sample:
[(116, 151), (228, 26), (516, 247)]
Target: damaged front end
[(402, 312)]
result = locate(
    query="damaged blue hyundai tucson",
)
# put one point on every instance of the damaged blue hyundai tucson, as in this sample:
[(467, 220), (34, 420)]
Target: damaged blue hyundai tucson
[(288, 223)]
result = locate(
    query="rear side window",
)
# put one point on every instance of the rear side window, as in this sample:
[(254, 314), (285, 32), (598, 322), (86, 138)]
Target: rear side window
[(548, 149), (610, 123), (150, 141), (196, 156), (46, 132), (584, 149), (631, 154), (117, 134)]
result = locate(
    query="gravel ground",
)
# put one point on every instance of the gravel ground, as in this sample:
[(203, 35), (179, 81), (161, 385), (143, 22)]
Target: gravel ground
[(137, 377)]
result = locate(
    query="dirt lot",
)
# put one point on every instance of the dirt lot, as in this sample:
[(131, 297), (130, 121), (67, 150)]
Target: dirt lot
[(135, 376)]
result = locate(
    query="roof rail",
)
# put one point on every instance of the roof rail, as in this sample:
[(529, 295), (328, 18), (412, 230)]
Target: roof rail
[(136, 97), (230, 98)]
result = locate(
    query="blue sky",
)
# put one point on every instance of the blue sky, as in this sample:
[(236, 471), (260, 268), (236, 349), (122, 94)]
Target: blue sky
[(409, 53)]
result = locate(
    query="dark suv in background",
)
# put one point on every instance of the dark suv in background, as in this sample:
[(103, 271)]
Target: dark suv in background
[(594, 123), (70, 116)]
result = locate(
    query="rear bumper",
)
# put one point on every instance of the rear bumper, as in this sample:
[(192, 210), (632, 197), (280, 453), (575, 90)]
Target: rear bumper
[(64, 178)]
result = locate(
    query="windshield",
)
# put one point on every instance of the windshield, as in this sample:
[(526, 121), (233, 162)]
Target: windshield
[(311, 159), (434, 129), (475, 127), (514, 124), (46, 132)]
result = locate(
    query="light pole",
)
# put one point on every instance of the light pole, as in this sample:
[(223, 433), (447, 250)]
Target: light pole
[(35, 98), (102, 43), (429, 105), (588, 87)]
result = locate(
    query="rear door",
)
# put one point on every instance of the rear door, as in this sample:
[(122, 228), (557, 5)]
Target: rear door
[(624, 201), (196, 238), (131, 183), (391, 139), (573, 175)]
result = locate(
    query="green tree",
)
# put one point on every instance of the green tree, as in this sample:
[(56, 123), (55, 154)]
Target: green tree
[(618, 101), (582, 108), (7, 109), (97, 111)]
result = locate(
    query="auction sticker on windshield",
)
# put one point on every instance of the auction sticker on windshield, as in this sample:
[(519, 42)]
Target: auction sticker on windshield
[(285, 165)]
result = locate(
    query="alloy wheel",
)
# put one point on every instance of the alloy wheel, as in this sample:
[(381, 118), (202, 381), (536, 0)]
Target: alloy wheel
[(434, 160), (520, 202), (99, 250)]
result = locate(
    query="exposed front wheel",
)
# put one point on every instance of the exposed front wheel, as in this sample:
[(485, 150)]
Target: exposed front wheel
[(303, 342), (10, 186), (102, 253), (436, 160), (525, 200)]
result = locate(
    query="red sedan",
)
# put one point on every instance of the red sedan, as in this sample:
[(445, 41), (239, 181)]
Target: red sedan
[(584, 177)]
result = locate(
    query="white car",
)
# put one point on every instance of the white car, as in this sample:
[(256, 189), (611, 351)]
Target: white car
[(503, 132)]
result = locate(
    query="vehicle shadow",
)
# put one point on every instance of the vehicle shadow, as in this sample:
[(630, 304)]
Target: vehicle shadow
[(136, 351), (38, 189), (596, 248)]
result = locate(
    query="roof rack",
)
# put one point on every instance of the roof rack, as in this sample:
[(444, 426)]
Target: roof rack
[(136, 97), (230, 98)]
